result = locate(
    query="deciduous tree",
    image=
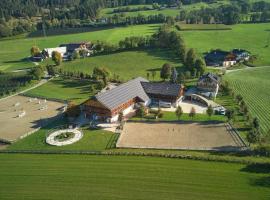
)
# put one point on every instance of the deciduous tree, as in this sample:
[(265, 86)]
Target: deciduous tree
[(179, 112), (165, 72), (57, 57)]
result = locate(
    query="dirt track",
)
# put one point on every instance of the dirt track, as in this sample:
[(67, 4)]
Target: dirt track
[(195, 136), (12, 127)]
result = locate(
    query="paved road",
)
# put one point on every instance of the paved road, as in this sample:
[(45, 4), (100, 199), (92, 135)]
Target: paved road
[(246, 68)]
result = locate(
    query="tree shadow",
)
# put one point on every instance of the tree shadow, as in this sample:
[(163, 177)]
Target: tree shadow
[(49, 122), (163, 54), (262, 182), (17, 61), (227, 148), (263, 168), (59, 31)]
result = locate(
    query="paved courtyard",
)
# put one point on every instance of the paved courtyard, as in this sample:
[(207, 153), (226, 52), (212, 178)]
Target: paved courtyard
[(193, 136), (20, 115)]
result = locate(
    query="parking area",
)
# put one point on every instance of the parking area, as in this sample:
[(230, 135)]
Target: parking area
[(166, 135), (186, 107), (20, 115)]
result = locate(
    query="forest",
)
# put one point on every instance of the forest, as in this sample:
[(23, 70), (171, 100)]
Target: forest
[(24, 16)]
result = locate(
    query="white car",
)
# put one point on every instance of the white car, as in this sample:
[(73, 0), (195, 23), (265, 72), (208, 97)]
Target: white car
[(220, 110), (165, 104)]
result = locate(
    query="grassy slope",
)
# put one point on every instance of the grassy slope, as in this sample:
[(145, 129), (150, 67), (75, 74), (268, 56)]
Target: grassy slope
[(14, 52), (127, 64), (251, 37), (64, 89), (253, 85), (116, 177), (188, 27), (168, 12)]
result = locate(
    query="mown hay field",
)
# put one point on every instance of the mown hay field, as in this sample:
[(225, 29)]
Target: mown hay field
[(127, 177)]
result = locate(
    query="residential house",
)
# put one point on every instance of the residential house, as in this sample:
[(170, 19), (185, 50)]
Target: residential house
[(71, 47), (219, 58), (241, 55), (208, 85), (49, 51)]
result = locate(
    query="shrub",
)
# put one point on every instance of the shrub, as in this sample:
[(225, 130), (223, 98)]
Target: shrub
[(262, 150), (160, 115)]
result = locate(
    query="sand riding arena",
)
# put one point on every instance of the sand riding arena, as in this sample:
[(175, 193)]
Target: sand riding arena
[(20, 115), (175, 135)]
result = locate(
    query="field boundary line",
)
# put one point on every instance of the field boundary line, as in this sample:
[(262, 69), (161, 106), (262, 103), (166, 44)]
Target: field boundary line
[(238, 135)]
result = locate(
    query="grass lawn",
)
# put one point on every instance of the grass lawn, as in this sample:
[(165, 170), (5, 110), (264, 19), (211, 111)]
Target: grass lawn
[(252, 37), (93, 140), (126, 64), (128, 177), (239, 122), (64, 89), (253, 84), (14, 53), (167, 11), (171, 116), (206, 27)]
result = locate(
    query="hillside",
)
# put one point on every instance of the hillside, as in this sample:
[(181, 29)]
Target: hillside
[(14, 53), (252, 37), (127, 64)]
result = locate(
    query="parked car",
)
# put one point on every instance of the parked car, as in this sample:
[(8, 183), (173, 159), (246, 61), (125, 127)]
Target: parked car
[(164, 104), (220, 110)]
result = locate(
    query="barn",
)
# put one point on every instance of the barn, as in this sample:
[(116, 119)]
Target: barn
[(126, 97)]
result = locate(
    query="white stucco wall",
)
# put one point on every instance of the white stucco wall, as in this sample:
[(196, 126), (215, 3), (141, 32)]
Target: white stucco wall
[(125, 112), (61, 50)]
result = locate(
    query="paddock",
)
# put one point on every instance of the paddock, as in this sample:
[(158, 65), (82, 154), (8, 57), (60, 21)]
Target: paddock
[(20, 115), (175, 135)]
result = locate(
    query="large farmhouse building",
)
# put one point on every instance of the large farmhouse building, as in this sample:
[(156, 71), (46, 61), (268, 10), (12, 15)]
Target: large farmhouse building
[(107, 105)]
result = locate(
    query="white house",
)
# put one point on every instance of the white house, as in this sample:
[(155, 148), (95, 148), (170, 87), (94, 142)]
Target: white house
[(61, 50)]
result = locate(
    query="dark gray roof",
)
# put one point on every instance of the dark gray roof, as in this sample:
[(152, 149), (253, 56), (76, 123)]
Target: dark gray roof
[(167, 89), (211, 76), (124, 92)]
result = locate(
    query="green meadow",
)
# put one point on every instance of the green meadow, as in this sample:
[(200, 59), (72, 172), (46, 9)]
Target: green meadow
[(127, 64), (166, 11), (128, 177), (14, 53), (64, 89), (252, 37), (253, 84), (93, 140)]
